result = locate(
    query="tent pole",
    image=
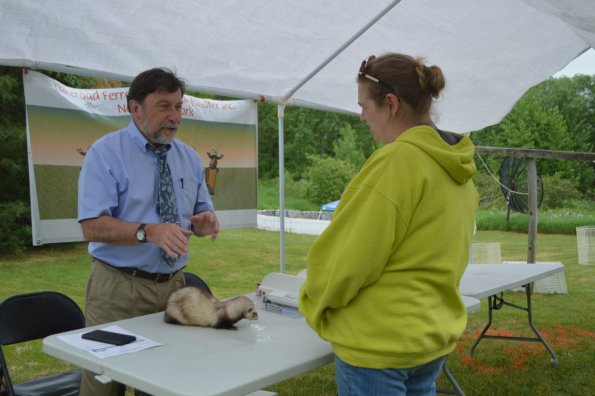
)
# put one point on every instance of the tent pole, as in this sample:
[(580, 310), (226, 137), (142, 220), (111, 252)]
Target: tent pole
[(339, 50), (532, 187), (281, 113), (280, 116)]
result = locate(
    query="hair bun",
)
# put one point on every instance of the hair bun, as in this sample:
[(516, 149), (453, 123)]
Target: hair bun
[(431, 79)]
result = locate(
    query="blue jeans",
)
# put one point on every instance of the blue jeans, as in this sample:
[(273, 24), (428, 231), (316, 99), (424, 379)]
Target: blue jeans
[(361, 381)]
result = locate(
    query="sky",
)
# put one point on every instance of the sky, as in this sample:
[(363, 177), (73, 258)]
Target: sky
[(584, 64)]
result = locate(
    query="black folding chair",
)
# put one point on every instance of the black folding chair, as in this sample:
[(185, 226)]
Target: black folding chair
[(32, 316), (195, 280)]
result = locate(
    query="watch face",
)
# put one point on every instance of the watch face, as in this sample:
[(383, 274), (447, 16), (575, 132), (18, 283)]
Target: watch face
[(140, 235)]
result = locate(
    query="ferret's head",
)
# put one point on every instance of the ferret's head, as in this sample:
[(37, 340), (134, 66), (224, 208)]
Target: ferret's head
[(250, 310), (241, 308)]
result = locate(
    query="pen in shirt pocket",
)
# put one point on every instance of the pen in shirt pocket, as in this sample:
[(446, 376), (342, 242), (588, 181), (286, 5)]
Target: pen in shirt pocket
[(182, 181)]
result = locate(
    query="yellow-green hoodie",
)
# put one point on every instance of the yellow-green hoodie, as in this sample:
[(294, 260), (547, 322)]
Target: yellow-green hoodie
[(382, 279)]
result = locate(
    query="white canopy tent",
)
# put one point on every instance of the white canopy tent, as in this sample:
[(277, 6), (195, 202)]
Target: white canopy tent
[(491, 52), (307, 52)]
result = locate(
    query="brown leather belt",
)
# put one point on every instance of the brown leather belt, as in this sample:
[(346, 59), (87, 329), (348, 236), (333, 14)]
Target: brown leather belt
[(156, 277)]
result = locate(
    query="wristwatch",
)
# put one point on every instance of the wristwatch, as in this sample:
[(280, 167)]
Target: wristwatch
[(141, 234)]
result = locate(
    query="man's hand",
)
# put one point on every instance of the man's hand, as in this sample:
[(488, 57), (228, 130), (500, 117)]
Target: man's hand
[(205, 223), (170, 237)]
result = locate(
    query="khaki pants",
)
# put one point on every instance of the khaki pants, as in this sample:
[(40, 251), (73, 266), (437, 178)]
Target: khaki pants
[(114, 295)]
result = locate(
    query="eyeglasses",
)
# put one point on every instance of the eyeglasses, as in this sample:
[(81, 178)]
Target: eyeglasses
[(364, 73)]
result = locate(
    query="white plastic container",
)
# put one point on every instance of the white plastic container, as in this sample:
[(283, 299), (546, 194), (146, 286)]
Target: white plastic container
[(585, 242)]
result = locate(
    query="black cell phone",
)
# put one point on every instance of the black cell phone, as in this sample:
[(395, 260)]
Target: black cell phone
[(109, 337)]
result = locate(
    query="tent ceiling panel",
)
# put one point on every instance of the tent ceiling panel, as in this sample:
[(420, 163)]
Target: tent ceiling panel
[(491, 52)]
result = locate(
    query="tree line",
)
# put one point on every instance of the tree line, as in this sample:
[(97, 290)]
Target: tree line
[(558, 114), (324, 150)]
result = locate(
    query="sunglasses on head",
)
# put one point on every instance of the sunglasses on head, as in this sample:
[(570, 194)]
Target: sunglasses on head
[(363, 71)]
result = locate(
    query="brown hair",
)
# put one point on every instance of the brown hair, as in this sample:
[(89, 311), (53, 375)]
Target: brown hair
[(158, 79), (410, 79)]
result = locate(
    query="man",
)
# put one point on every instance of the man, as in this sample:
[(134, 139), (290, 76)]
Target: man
[(141, 196)]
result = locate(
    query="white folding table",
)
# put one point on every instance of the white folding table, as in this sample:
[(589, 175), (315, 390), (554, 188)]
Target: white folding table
[(491, 280), (204, 361)]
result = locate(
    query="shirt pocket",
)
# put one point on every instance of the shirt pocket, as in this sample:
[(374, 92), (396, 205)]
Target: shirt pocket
[(188, 194)]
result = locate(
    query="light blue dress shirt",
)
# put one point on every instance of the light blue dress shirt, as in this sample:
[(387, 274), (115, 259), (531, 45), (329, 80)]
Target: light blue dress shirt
[(120, 178)]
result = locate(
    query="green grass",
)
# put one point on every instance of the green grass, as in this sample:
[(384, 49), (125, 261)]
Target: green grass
[(561, 221), (552, 221), (240, 258)]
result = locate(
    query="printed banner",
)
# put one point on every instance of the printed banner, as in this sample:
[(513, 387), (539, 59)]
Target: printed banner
[(63, 122)]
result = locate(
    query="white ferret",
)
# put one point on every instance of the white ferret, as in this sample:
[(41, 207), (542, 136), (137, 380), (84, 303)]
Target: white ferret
[(197, 307)]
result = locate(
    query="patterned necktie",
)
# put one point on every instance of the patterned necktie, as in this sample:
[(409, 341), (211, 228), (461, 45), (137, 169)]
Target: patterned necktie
[(166, 199)]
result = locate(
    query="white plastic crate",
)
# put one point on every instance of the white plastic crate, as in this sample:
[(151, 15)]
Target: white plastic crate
[(585, 242), (486, 253), (555, 283)]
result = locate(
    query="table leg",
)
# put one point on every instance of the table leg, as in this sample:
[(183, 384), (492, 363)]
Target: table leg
[(457, 389), (486, 327), (495, 303)]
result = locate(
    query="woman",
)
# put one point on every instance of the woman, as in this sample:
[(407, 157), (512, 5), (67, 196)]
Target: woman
[(383, 278)]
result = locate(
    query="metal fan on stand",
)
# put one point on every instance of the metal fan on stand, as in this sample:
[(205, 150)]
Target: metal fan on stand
[(514, 186)]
